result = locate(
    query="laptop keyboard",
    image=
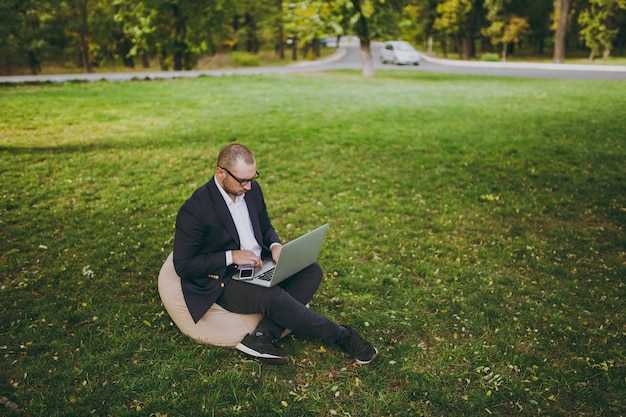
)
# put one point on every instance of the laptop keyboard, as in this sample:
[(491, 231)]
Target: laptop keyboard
[(267, 275)]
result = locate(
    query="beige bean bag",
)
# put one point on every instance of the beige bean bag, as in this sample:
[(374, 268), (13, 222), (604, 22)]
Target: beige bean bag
[(218, 326)]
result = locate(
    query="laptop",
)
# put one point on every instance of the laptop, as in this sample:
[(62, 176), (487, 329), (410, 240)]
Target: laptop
[(294, 257)]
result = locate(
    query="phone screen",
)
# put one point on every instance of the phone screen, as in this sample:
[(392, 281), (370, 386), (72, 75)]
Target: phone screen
[(246, 273)]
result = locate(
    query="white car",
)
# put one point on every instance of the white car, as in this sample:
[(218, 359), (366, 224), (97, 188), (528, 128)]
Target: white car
[(399, 52)]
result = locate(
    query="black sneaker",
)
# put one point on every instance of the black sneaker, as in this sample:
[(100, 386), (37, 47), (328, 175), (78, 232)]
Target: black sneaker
[(263, 348), (354, 345)]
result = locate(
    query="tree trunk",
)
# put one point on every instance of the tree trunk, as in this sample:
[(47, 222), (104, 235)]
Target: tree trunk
[(163, 60), (468, 44), (84, 53), (362, 31), (84, 42), (252, 44), (561, 33), (179, 32), (280, 42), (505, 47), (366, 58), (129, 62), (458, 46), (539, 46), (178, 60), (305, 50), (485, 45), (34, 63)]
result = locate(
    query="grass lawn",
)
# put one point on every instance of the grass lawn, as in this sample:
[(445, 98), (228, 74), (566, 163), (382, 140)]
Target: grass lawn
[(476, 237)]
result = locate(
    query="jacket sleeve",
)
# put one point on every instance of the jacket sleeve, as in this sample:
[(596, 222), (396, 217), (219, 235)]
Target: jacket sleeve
[(197, 251)]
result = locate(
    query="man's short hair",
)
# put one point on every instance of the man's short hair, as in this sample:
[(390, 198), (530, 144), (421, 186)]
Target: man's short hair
[(229, 156)]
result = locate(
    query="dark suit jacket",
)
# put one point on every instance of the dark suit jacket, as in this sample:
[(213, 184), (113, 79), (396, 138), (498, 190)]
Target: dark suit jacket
[(204, 232)]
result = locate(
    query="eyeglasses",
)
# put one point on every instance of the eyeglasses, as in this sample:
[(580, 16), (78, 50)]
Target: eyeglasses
[(242, 182)]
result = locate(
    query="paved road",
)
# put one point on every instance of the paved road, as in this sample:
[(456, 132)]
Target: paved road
[(348, 57), (526, 70), (352, 59)]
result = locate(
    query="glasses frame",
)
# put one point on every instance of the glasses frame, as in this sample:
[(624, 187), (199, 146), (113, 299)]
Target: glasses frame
[(242, 183)]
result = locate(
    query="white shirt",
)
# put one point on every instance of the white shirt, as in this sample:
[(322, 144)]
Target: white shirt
[(239, 212)]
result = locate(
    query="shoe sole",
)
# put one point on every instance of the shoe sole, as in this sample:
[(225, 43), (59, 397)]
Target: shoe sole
[(265, 357), (360, 362)]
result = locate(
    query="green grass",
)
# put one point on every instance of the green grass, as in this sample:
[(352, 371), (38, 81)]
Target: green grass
[(476, 237)]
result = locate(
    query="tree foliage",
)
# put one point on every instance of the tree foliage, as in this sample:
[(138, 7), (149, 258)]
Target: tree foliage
[(176, 33), (307, 22), (598, 30), (451, 20), (506, 27)]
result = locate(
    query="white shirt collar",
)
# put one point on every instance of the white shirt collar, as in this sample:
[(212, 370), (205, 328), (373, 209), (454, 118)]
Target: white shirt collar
[(238, 199)]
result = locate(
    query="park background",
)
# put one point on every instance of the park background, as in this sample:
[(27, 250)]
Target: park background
[(60, 36), (476, 237)]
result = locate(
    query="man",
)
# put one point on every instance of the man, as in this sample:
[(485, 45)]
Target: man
[(225, 224)]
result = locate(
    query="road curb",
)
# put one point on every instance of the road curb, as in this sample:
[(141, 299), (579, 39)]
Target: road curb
[(524, 65), (337, 56)]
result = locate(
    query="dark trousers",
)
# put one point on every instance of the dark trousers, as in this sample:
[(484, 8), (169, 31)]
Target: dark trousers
[(283, 306)]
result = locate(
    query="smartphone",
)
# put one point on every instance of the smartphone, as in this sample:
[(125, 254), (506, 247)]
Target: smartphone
[(246, 273)]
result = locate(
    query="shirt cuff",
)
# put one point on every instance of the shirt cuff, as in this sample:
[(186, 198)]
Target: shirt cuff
[(274, 244), (229, 257)]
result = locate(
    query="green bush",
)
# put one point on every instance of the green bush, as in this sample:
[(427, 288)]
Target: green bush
[(245, 59), (490, 57)]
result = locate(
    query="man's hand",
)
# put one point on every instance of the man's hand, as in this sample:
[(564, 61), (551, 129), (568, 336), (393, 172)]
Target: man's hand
[(247, 257), (276, 249)]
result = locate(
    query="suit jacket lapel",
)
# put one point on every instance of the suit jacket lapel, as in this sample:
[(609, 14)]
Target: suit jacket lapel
[(222, 211)]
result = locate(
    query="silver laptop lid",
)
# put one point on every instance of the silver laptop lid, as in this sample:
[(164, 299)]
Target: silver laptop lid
[(299, 253)]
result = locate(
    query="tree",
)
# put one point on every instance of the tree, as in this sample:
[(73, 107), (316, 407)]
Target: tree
[(108, 43), (539, 19), (306, 22), (452, 16), (77, 15), (279, 46), (417, 23), (340, 19), (561, 8), (597, 29), (294, 23), (253, 22), (363, 11), (89, 33), (11, 19), (506, 28), (372, 19), (215, 28), (138, 25), (181, 34), (22, 33)]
